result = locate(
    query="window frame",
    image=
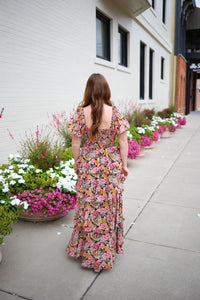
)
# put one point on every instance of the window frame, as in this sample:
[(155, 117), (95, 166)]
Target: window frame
[(162, 68), (142, 69), (107, 46), (164, 11), (123, 59), (151, 72)]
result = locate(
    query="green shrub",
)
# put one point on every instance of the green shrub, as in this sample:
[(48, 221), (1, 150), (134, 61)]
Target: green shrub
[(7, 219), (165, 113), (174, 108), (149, 113), (135, 134)]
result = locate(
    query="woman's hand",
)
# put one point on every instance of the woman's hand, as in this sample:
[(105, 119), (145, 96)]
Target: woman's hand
[(125, 171)]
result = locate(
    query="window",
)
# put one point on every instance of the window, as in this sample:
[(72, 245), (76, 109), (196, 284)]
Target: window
[(162, 68), (102, 36), (151, 52), (122, 47), (142, 70), (163, 11), (153, 4)]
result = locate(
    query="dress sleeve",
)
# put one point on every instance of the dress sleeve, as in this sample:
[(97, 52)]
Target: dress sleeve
[(75, 123), (121, 123)]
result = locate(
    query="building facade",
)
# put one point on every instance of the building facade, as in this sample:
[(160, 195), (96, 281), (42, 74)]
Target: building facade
[(49, 49)]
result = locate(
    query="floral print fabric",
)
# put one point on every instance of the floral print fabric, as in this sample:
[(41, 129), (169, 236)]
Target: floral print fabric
[(98, 221)]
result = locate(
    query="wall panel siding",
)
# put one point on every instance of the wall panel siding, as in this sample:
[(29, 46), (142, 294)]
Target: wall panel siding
[(47, 52)]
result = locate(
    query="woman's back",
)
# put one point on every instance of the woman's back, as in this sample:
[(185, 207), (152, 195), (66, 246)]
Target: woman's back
[(106, 118)]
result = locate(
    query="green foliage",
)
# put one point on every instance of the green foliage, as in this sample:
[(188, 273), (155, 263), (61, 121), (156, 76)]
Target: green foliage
[(41, 150), (65, 154), (7, 219), (135, 134), (33, 181), (60, 124), (139, 119), (149, 113), (165, 113), (174, 108), (149, 133)]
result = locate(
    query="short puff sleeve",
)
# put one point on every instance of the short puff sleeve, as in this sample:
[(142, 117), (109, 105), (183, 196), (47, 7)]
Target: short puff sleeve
[(75, 123), (121, 123)]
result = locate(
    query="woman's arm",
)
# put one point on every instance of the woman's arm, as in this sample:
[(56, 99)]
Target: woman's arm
[(76, 144), (123, 144)]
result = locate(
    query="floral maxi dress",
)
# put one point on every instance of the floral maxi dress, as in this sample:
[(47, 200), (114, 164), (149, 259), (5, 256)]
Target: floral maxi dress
[(98, 220)]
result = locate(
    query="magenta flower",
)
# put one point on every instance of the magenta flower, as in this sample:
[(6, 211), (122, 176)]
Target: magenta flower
[(156, 135), (47, 203), (146, 141), (133, 149)]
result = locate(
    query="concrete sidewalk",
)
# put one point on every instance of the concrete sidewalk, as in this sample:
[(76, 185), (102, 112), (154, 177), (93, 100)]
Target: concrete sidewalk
[(161, 260)]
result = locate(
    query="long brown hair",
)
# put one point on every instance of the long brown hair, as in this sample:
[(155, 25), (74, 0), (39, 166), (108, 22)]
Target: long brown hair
[(97, 92)]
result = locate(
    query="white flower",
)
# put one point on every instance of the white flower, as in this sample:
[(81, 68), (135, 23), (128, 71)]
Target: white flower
[(11, 156), (15, 175), (141, 130), (2, 201), (10, 167), (38, 171), (15, 201), (21, 171), (21, 180), (5, 189), (25, 203), (129, 135), (12, 182), (31, 167), (27, 160)]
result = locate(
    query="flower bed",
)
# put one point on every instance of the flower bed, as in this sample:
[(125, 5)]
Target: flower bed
[(37, 192)]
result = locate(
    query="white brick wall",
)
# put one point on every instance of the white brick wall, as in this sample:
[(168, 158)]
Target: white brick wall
[(48, 50)]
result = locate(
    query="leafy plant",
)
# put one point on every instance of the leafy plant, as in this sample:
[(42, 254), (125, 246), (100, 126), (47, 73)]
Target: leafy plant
[(165, 113), (174, 108), (149, 113), (60, 123), (42, 150), (135, 134), (7, 219)]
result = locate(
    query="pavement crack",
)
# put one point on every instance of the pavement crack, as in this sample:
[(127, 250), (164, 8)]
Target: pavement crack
[(89, 287), (165, 246), (15, 295)]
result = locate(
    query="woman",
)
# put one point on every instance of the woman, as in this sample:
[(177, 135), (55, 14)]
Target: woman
[(101, 170)]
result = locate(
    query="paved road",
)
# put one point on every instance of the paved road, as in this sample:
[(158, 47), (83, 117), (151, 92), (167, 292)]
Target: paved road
[(162, 237)]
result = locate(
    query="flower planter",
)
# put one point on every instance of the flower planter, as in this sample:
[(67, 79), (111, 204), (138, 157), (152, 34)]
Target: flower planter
[(165, 134), (149, 147), (37, 218)]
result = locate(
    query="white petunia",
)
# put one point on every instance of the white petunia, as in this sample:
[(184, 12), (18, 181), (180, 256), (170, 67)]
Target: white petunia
[(15, 175), (21, 180), (141, 130), (26, 205), (31, 167), (21, 171), (129, 135), (15, 201), (2, 201), (38, 171), (10, 167), (12, 182), (5, 189)]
